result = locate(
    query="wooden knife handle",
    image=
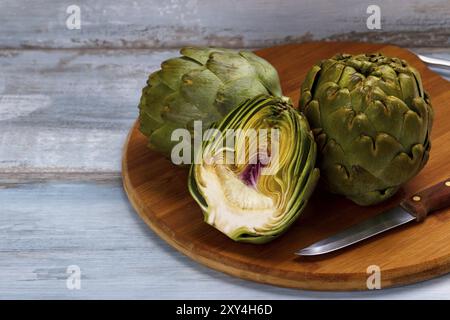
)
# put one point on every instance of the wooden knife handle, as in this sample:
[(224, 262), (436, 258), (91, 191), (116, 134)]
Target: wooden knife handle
[(426, 201)]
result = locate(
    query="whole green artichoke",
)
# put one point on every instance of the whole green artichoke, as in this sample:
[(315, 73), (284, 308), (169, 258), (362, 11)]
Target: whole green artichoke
[(203, 84), (372, 121), (242, 192)]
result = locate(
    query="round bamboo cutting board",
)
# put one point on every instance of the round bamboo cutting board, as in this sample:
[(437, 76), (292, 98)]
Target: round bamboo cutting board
[(415, 252)]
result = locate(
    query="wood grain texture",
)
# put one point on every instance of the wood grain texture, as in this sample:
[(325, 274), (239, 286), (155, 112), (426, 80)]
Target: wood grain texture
[(45, 227), (410, 254), (68, 111), (64, 115), (98, 230), (424, 202), (245, 23)]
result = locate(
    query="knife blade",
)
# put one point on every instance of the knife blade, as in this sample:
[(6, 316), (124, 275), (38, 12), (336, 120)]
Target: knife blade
[(413, 208)]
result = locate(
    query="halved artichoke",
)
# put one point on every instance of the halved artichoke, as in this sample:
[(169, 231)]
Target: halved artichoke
[(238, 197), (203, 84), (372, 121)]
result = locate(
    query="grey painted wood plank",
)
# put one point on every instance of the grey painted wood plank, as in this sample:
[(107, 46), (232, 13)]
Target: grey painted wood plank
[(45, 227), (245, 23), (64, 114), (69, 111)]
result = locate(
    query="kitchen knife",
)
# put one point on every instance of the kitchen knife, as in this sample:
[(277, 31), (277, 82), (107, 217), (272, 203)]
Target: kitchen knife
[(414, 208)]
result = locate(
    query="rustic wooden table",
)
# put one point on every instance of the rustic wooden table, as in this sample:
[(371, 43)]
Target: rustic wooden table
[(67, 101)]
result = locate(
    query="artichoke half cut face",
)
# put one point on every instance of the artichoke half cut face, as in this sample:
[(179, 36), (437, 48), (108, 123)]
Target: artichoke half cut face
[(256, 171)]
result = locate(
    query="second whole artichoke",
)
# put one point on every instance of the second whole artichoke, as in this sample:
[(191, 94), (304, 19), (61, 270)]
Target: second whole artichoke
[(202, 84), (372, 121)]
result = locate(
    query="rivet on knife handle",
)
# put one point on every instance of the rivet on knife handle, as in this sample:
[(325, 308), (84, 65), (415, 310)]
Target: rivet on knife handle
[(426, 201)]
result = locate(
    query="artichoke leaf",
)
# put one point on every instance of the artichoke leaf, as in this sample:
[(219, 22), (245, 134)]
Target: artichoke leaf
[(203, 84), (258, 199)]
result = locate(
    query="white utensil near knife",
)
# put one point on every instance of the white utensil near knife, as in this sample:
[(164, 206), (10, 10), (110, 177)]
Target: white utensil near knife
[(435, 62)]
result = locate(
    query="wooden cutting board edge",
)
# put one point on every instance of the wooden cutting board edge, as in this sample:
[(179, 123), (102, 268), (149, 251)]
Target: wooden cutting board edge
[(312, 281), (309, 281)]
